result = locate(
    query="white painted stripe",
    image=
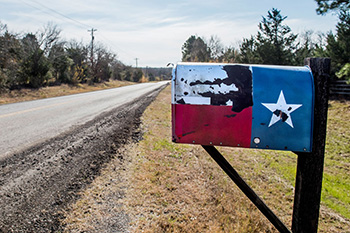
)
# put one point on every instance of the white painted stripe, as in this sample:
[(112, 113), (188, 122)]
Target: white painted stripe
[(196, 100)]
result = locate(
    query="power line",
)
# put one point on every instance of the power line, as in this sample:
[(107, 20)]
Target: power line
[(78, 23), (56, 12), (67, 17)]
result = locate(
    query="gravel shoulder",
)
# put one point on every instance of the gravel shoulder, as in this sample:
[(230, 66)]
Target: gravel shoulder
[(36, 185)]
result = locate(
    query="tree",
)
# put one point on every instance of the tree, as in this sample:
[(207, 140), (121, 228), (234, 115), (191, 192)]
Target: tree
[(306, 47), (137, 75), (230, 55), (344, 73), (117, 67), (195, 50), (216, 48), (151, 77), (274, 43), (34, 64), (35, 49), (338, 47), (332, 5), (33, 59), (248, 51), (60, 63), (126, 74), (48, 37), (102, 69), (79, 69), (9, 58)]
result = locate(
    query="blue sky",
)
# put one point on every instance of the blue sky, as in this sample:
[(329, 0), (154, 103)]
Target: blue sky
[(154, 31)]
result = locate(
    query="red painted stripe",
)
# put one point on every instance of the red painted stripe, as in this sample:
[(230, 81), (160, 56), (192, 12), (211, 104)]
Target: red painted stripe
[(211, 125)]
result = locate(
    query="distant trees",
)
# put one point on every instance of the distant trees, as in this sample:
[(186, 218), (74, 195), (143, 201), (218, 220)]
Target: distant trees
[(157, 74), (275, 43), (42, 58), (197, 49)]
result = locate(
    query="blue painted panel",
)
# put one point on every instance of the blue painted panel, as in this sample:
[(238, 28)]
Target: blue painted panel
[(283, 108)]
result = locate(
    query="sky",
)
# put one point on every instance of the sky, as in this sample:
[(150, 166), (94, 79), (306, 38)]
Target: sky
[(154, 31)]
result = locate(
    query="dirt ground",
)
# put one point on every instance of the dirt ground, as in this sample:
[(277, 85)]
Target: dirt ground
[(36, 185)]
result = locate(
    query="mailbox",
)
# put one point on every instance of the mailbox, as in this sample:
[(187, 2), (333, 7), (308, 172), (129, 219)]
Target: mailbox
[(250, 106)]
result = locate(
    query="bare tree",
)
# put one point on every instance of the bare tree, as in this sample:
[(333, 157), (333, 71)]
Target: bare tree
[(216, 47), (48, 37)]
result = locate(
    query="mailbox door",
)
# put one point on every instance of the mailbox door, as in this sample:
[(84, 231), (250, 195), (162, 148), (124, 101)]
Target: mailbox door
[(266, 107)]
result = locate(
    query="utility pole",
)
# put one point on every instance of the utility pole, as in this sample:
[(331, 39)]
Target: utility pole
[(92, 46), (136, 61)]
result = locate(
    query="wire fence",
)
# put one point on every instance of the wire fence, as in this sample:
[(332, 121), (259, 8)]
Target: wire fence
[(339, 87)]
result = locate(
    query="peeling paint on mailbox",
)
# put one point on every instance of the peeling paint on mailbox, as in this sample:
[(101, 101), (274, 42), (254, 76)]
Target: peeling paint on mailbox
[(251, 106)]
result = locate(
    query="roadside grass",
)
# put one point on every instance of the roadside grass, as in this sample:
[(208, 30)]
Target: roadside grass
[(179, 188), (336, 181), (26, 94), (186, 191)]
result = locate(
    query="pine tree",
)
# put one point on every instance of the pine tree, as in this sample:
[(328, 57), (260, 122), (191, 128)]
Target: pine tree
[(274, 43), (195, 50), (338, 48), (332, 5)]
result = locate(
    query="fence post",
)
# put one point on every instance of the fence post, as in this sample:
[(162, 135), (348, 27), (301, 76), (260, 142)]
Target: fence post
[(308, 184)]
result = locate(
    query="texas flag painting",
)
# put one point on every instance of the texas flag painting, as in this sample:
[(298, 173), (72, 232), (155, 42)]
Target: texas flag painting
[(250, 106)]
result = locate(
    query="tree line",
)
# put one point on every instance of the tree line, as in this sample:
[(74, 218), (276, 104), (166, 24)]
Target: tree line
[(276, 44), (39, 59)]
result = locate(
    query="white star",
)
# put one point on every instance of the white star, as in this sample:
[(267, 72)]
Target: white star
[(281, 110)]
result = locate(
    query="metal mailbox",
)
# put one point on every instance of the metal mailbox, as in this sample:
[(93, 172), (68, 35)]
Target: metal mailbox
[(250, 106)]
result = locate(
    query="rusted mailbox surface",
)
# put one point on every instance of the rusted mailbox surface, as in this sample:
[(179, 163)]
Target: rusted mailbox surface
[(251, 106)]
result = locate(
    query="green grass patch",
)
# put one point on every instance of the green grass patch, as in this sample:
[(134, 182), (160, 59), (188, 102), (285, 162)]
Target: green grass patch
[(336, 178), (282, 162)]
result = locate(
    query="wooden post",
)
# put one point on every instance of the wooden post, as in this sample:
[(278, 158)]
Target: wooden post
[(310, 165)]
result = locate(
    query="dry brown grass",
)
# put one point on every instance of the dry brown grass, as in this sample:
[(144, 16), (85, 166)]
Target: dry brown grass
[(54, 91), (179, 188)]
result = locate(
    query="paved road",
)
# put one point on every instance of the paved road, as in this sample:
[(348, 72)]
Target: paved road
[(27, 123)]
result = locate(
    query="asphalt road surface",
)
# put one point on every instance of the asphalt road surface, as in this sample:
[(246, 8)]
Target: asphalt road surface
[(27, 123), (52, 149)]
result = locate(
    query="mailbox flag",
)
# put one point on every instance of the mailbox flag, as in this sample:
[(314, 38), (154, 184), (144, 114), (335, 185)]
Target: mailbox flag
[(267, 107)]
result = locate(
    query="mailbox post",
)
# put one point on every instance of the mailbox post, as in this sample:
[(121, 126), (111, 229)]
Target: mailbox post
[(310, 165), (264, 107)]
